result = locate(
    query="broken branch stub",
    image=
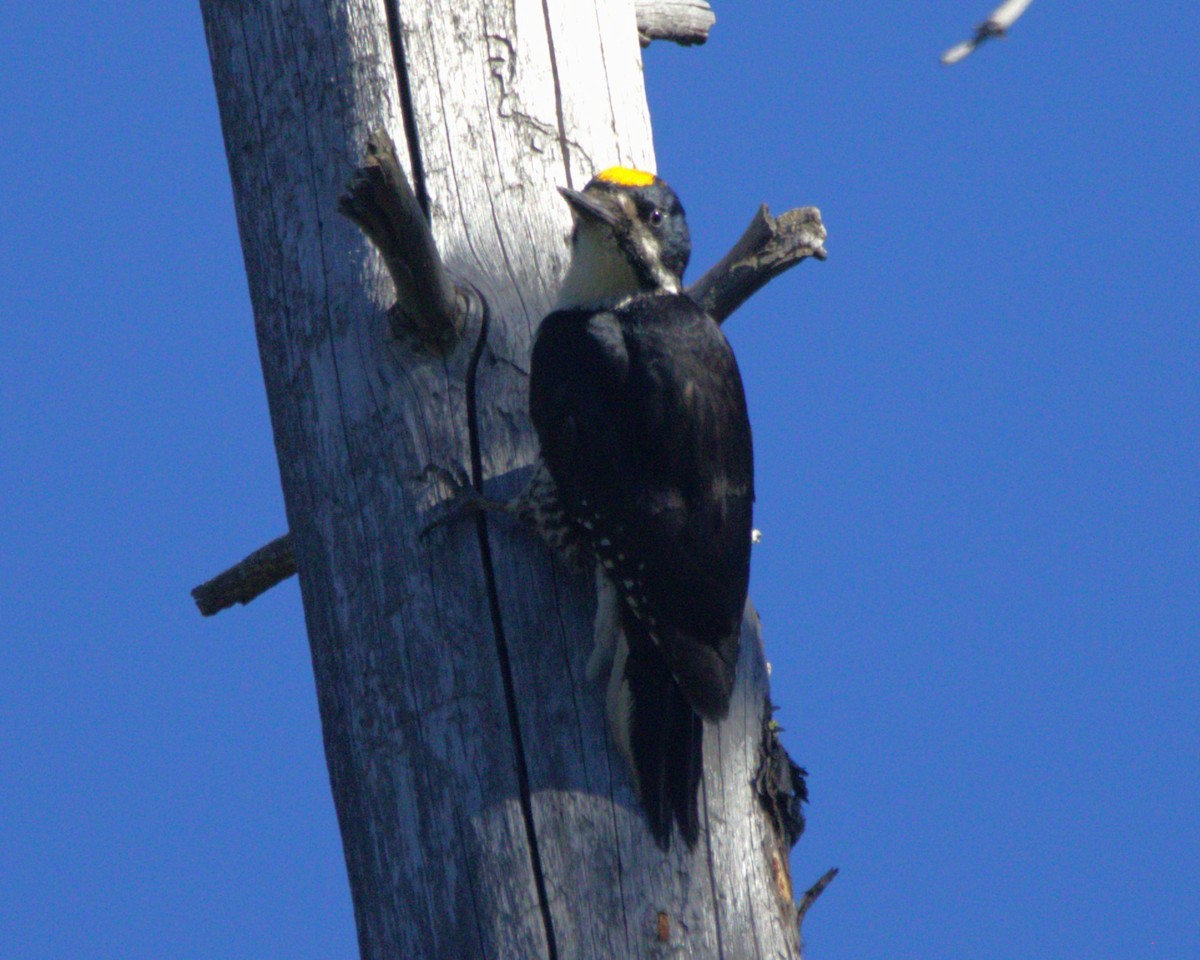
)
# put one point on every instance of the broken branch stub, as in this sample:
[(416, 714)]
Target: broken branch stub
[(810, 897), (381, 201), (685, 22), (241, 583), (769, 246)]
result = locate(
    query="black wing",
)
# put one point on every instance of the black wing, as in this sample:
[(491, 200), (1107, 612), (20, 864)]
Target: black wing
[(642, 423)]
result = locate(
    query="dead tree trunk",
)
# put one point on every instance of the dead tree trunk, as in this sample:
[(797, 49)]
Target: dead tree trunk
[(483, 811)]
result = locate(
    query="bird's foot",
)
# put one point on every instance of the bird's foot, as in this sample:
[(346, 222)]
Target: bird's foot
[(464, 500)]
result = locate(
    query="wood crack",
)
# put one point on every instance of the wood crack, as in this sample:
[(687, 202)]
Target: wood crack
[(396, 33), (505, 661), (563, 145)]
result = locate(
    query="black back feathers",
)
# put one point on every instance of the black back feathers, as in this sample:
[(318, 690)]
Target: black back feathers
[(642, 422)]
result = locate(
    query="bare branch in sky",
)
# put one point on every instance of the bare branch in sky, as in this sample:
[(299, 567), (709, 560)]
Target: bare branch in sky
[(1003, 17)]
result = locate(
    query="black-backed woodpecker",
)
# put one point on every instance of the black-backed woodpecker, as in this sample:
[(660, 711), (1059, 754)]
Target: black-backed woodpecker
[(647, 467)]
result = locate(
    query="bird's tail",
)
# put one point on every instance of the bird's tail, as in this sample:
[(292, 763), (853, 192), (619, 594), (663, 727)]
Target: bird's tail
[(662, 736)]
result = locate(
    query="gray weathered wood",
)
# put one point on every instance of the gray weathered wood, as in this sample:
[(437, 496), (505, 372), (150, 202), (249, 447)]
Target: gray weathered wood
[(483, 811), (381, 201), (686, 22), (435, 846)]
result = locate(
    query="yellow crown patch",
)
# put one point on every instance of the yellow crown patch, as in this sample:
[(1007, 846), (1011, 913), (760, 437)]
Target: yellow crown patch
[(625, 177)]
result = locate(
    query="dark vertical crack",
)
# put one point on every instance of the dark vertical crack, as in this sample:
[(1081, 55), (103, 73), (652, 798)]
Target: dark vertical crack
[(563, 143), (396, 33), (510, 693)]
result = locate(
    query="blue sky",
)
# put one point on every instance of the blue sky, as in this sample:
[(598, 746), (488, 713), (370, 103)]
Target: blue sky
[(978, 434)]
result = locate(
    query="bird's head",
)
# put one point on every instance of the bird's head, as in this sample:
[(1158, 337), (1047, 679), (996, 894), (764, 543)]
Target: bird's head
[(630, 237)]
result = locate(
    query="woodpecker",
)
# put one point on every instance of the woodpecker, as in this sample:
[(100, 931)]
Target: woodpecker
[(647, 468)]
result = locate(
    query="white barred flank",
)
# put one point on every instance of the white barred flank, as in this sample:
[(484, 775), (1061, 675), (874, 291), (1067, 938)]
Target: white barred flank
[(540, 507)]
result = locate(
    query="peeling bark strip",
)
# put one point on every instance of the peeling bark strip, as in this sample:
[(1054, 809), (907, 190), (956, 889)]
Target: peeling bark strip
[(482, 810)]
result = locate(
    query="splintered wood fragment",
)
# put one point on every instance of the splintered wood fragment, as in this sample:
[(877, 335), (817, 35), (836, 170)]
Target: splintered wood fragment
[(810, 896), (257, 574), (380, 200), (769, 246), (996, 25), (685, 22)]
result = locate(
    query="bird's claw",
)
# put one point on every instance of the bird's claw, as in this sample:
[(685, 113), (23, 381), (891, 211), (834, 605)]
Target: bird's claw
[(464, 499), (455, 479), (461, 498)]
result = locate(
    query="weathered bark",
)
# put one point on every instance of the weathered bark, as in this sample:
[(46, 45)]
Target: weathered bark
[(482, 810), (685, 22)]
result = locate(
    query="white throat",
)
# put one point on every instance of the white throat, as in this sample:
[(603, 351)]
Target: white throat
[(598, 276)]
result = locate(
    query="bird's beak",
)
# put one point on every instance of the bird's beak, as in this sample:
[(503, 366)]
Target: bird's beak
[(590, 207)]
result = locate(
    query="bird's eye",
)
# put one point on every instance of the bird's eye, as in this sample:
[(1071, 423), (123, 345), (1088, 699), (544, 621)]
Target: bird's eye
[(655, 217)]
